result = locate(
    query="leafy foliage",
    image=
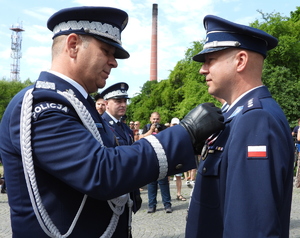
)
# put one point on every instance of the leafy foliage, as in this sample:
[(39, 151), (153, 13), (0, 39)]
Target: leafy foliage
[(185, 87), (8, 89)]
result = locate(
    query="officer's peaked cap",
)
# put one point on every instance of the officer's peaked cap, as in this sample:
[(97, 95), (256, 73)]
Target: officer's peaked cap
[(103, 23), (118, 90), (222, 34)]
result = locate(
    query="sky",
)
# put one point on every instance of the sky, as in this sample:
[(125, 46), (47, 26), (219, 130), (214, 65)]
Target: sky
[(179, 24)]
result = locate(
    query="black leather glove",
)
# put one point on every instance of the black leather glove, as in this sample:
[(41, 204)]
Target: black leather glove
[(201, 122)]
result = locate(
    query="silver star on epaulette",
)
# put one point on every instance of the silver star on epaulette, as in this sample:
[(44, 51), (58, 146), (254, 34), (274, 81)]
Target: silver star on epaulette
[(111, 122)]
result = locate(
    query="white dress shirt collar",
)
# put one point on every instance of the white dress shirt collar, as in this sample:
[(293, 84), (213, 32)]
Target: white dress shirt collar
[(71, 81), (236, 100)]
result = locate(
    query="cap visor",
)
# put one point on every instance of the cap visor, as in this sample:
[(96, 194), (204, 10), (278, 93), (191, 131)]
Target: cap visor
[(118, 97), (120, 53), (201, 56)]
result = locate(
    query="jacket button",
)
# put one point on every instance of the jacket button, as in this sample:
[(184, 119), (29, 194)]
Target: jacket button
[(178, 166), (204, 170)]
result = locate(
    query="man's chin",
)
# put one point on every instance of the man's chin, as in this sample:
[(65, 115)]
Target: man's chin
[(102, 85), (211, 92)]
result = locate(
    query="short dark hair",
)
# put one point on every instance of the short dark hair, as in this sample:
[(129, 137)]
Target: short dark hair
[(98, 96)]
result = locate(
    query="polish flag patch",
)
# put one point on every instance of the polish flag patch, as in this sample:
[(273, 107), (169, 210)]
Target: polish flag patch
[(257, 151)]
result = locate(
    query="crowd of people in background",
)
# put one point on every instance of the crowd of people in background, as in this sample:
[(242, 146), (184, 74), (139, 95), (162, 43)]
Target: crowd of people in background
[(154, 127), (116, 94)]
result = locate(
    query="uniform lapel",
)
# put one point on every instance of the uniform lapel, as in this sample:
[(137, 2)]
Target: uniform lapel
[(127, 132), (119, 129)]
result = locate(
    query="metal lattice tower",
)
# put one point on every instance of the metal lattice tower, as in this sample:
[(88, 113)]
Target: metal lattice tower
[(16, 41)]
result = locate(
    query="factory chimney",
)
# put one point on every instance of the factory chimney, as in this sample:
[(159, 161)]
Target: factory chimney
[(153, 61)]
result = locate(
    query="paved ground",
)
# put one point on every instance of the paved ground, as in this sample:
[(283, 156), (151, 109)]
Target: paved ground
[(158, 224)]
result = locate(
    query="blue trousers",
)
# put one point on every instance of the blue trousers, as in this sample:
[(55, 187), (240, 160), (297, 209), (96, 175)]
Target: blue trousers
[(165, 192)]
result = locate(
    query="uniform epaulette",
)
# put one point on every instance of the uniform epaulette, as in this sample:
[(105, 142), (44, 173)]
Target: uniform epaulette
[(253, 103), (45, 85)]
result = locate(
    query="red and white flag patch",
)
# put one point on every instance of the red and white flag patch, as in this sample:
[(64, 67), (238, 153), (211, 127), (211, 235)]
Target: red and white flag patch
[(257, 151)]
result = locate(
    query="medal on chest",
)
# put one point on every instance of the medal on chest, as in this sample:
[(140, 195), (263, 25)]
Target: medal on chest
[(209, 146)]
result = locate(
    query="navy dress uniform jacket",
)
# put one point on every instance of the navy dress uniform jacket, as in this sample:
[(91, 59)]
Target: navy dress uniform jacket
[(244, 186), (124, 136), (69, 162), (123, 133)]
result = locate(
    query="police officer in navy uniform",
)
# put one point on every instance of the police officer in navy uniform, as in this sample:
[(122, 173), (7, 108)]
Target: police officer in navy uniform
[(66, 176), (115, 98), (244, 181), (116, 102)]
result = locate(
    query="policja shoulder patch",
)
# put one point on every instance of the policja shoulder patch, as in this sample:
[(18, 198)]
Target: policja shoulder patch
[(46, 106)]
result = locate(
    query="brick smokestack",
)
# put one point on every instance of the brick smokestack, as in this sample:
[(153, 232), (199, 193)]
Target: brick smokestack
[(153, 62)]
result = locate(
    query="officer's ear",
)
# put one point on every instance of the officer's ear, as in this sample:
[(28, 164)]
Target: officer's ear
[(241, 59), (72, 45)]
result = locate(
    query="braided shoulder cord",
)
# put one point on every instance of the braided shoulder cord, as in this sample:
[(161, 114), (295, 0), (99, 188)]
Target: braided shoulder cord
[(25, 142), (84, 115), (26, 151)]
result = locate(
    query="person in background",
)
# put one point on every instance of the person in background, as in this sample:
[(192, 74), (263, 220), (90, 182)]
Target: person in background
[(137, 131), (295, 130), (245, 177), (100, 104), (2, 182), (115, 98), (154, 128), (294, 134), (175, 121), (131, 125), (190, 176), (297, 177)]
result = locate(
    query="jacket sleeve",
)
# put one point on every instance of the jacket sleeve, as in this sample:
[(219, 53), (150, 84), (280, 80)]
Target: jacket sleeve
[(259, 176), (64, 148)]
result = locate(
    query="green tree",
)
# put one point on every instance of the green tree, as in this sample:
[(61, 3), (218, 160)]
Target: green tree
[(281, 72), (185, 87), (8, 89)]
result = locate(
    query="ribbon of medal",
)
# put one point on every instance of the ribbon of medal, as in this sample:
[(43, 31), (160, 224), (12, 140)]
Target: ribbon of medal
[(209, 147)]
